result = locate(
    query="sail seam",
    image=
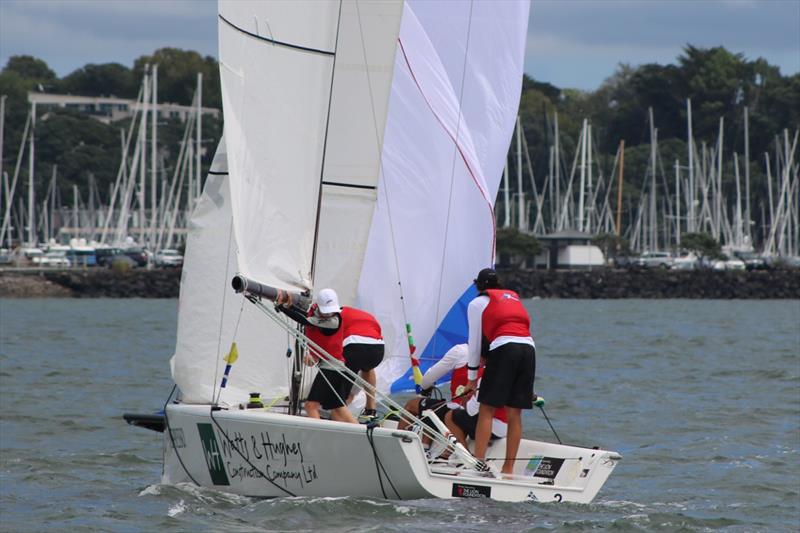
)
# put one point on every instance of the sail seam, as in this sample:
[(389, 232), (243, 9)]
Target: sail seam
[(274, 41), (217, 173), (349, 185)]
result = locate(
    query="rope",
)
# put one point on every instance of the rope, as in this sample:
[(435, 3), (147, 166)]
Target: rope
[(222, 314), (172, 439), (549, 424), (378, 464)]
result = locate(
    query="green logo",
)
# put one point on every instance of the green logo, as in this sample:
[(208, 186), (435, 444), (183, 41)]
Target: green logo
[(216, 467)]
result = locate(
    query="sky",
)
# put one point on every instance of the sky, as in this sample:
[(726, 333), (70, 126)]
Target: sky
[(571, 43)]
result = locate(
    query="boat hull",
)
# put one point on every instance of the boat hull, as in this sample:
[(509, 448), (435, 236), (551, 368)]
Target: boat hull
[(259, 453)]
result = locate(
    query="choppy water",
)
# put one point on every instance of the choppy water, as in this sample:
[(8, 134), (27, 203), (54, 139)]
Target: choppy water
[(702, 398)]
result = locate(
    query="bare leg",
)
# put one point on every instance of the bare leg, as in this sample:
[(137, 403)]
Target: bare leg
[(513, 438), (312, 408), (484, 430), (370, 377), (343, 414), (412, 406), (454, 429)]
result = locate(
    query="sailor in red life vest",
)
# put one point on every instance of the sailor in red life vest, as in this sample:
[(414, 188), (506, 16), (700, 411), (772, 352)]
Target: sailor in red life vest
[(322, 324), (496, 316), (363, 351), (460, 413)]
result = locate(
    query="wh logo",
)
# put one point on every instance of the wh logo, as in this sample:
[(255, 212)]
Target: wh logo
[(216, 466)]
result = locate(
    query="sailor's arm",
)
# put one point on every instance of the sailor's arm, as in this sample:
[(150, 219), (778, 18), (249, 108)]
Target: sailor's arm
[(474, 318), (442, 367)]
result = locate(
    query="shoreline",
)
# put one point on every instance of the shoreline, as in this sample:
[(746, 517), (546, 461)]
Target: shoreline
[(603, 283)]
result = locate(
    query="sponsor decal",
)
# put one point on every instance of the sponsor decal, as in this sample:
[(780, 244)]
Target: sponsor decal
[(177, 437), (211, 451), (461, 490), (546, 467)]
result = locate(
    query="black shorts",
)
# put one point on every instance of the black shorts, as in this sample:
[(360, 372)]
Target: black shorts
[(467, 423), (508, 376), (326, 393), (362, 357)]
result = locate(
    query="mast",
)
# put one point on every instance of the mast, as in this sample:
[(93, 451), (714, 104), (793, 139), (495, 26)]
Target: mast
[(521, 195), (153, 158), (193, 195), (590, 191), (653, 221), (619, 186), (747, 215), (31, 208), (506, 205), (2, 130), (677, 204), (690, 225), (142, 155), (583, 175)]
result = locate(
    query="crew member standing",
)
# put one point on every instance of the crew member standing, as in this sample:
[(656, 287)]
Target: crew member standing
[(497, 317), (363, 351), (330, 388)]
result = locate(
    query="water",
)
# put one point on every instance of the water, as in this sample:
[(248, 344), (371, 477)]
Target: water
[(702, 398)]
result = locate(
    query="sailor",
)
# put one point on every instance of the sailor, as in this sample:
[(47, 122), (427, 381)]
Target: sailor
[(497, 318), (330, 388), (363, 351), (460, 414), (455, 361)]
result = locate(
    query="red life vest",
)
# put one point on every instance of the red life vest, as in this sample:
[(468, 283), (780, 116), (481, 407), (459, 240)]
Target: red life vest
[(358, 322), (330, 343), (504, 316)]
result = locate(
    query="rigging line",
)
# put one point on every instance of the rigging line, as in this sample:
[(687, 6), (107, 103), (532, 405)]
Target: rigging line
[(354, 378), (325, 146), (217, 173), (381, 175), (222, 316), (279, 43), (172, 438), (453, 172), (349, 185)]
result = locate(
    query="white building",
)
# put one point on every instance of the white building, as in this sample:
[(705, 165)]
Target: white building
[(108, 109)]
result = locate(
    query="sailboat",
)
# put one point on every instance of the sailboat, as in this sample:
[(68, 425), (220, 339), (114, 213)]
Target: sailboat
[(362, 150)]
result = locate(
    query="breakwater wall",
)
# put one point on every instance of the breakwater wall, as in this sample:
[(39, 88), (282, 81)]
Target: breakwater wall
[(654, 283), (588, 284), (90, 283)]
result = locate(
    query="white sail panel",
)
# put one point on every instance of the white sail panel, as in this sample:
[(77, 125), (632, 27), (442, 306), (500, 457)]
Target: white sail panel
[(454, 100), (211, 315), (362, 81), (276, 62)]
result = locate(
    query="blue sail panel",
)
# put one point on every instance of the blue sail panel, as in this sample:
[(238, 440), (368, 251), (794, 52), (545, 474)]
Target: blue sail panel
[(452, 330)]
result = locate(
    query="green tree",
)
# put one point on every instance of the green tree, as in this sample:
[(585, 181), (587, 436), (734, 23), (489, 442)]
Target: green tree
[(109, 79), (516, 246), (702, 244), (30, 68), (177, 76)]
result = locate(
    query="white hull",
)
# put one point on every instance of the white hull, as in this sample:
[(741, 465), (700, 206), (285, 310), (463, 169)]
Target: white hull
[(265, 454)]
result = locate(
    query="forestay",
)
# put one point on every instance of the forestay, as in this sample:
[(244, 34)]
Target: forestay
[(453, 104)]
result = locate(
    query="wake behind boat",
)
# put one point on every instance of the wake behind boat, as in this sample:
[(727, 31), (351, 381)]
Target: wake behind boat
[(363, 147)]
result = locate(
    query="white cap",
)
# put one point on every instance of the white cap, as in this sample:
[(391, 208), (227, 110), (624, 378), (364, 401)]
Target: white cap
[(328, 301)]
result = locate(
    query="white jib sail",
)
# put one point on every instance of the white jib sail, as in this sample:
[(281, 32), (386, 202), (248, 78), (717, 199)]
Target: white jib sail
[(276, 62), (211, 315), (362, 81), (455, 96)]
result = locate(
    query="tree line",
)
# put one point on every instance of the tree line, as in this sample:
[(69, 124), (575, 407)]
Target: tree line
[(720, 83)]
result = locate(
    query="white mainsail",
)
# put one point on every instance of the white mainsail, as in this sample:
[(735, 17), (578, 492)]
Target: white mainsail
[(258, 213), (455, 95), (305, 89), (211, 316)]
